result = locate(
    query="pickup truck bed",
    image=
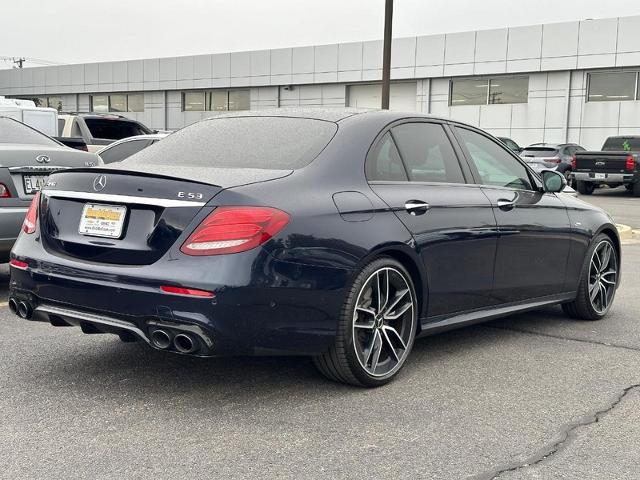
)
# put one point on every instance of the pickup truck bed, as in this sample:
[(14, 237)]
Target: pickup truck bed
[(611, 166)]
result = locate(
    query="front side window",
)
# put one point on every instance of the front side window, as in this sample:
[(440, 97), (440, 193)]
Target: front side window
[(427, 153), (384, 163), (610, 87), (495, 165)]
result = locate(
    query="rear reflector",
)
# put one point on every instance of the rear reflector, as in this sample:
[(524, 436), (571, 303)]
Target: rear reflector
[(630, 164), (31, 218), (574, 162), (190, 292), (4, 191), (234, 229), (19, 264)]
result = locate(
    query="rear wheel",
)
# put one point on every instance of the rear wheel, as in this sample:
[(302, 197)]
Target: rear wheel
[(376, 328), (598, 282), (585, 188), (636, 189)]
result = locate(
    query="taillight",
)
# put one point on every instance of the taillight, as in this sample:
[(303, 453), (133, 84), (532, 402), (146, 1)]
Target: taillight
[(31, 218), (554, 160), (630, 164), (234, 229), (574, 162), (189, 292), (4, 191)]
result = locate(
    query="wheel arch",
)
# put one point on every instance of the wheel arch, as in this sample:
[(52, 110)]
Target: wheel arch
[(612, 232)]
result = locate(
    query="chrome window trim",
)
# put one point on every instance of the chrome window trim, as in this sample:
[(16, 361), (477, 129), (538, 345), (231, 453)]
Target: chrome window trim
[(126, 199)]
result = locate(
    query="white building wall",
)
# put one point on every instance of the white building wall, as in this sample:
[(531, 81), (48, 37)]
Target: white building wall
[(556, 57)]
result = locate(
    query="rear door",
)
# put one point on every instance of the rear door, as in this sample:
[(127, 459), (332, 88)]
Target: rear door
[(415, 169), (535, 232)]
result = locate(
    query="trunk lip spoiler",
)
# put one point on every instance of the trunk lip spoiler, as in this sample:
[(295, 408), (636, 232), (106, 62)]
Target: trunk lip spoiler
[(117, 198)]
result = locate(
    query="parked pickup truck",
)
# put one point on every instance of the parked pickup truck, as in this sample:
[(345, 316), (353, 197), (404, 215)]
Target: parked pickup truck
[(98, 130), (617, 164)]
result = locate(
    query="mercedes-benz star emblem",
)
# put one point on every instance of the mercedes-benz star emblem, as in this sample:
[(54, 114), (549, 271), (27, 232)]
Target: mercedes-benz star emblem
[(43, 159), (99, 182)]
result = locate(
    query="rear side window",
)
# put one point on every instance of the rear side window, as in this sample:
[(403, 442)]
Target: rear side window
[(114, 129), (123, 150), (427, 153), (12, 131), (622, 144), (274, 143), (384, 163)]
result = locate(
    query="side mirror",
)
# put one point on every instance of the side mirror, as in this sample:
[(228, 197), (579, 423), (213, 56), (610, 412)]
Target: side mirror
[(553, 181)]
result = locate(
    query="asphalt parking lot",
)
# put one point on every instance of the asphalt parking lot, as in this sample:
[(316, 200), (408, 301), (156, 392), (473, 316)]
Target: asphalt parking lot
[(530, 396)]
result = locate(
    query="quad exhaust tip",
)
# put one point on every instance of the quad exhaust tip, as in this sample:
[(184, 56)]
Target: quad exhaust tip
[(161, 339), (24, 310), (184, 343), (13, 305)]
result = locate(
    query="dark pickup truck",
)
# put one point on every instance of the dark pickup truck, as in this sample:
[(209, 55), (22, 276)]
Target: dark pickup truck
[(617, 164)]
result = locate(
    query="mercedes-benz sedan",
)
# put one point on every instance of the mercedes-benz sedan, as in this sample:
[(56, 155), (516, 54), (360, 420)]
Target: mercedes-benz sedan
[(338, 234)]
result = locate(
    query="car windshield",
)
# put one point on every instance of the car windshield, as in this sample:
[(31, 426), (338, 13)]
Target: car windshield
[(12, 131), (114, 128), (539, 152), (622, 144), (273, 143)]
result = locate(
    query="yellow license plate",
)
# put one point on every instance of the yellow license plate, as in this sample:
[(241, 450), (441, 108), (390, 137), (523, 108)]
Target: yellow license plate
[(102, 220)]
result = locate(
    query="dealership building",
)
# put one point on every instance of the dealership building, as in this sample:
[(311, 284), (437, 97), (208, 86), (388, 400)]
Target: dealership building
[(558, 82)]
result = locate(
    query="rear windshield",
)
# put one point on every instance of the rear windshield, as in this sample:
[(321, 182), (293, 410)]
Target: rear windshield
[(274, 143), (114, 129), (539, 152), (618, 144), (12, 131)]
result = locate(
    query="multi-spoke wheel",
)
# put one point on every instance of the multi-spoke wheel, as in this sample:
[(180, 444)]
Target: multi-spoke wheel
[(598, 281), (376, 329)]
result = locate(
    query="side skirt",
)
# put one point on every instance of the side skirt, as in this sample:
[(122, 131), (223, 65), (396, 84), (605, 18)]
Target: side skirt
[(441, 323)]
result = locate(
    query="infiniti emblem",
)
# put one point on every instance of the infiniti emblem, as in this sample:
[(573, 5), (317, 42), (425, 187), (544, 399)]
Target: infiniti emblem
[(99, 182), (43, 159)]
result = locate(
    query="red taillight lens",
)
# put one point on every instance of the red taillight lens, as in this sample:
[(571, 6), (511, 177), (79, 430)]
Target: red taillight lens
[(190, 292), (630, 164), (19, 264), (574, 162), (31, 218), (234, 229), (4, 191)]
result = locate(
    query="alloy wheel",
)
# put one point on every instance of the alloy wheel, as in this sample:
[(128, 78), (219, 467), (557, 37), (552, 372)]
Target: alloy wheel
[(383, 322), (603, 276)]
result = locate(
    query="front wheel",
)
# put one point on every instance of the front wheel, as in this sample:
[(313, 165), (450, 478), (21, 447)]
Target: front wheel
[(585, 188), (376, 328), (598, 281)]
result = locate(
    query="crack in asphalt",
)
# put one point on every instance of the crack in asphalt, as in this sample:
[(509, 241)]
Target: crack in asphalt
[(572, 339), (567, 434)]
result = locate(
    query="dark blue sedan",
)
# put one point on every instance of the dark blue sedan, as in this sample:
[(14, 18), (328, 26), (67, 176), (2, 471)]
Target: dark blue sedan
[(338, 234)]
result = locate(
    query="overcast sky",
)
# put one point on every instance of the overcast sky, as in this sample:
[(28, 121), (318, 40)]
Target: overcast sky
[(76, 31)]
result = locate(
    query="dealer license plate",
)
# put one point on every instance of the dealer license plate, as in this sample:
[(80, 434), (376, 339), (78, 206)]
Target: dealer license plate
[(102, 220)]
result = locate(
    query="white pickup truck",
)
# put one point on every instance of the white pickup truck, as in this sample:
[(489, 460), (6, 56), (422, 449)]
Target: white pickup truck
[(98, 130)]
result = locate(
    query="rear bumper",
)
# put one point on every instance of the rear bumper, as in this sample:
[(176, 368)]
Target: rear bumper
[(287, 309), (609, 177)]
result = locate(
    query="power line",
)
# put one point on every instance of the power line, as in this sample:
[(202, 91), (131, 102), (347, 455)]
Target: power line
[(18, 62)]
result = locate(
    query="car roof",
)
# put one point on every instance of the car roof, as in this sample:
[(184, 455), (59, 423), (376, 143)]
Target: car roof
[(551, 145)]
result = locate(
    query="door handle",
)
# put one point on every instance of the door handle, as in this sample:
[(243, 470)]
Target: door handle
[(506, 205), (416, 207)]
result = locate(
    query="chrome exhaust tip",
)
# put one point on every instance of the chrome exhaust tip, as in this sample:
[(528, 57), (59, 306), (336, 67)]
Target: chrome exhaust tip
[(184, 343), (24, 310), (13, 306), (160, 339)]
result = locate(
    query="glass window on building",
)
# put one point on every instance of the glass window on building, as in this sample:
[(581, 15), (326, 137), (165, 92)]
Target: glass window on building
[(614, 86), (469, 92), (100, 103), (193, 101), (509, 90), (239, 100), (118, 103), (218, 100), (135, 102), (55, 102)]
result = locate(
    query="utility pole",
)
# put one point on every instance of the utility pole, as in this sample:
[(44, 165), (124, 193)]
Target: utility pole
[(386, 53), (19, 61)]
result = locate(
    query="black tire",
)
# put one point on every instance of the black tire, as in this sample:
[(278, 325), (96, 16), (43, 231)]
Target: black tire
[(569, 178), (585, 188), (342, 362), (583, 307), (636, 189), (629, 186)]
